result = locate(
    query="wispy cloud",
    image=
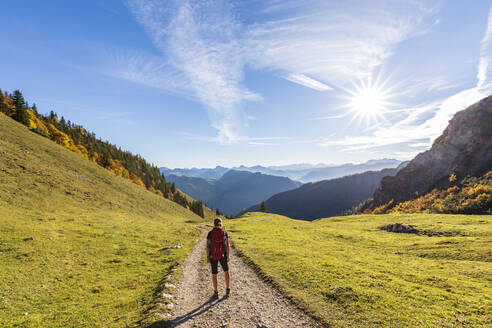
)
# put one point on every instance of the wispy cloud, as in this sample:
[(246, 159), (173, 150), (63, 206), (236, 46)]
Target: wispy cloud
[(249, 140), (308, 82), (205, 46), (202, 51), (256, 143), (484, 52), (330, 41)]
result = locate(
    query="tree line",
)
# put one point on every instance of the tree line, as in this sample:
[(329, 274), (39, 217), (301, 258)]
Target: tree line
[(74, 137)]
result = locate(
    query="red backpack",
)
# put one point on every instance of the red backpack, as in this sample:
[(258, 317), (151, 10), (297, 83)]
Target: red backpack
[(218, 243)]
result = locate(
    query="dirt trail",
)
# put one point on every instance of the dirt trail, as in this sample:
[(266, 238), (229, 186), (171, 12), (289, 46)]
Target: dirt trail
[(252, 303)]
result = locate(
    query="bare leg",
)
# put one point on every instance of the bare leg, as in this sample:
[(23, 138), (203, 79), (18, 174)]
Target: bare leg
[(227, 279), (214, 280)]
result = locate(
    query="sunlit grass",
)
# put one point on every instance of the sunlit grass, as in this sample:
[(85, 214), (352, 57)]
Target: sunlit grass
[(348, 273), (79, 247)]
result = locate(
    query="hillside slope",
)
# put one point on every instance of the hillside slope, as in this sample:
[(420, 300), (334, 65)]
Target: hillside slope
[(464, 148), (79, 246), (325, 198), (235, 190)]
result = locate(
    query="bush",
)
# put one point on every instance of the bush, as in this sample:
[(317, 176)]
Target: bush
[(472, 196)]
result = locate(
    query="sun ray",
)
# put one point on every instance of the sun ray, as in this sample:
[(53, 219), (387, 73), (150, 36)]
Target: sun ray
[(368, 99)]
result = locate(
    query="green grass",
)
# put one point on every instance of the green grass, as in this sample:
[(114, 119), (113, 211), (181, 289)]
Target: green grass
[(96, 258), (348, 273)]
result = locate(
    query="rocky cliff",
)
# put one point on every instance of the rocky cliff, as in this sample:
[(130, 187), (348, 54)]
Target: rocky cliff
[(464, 148)]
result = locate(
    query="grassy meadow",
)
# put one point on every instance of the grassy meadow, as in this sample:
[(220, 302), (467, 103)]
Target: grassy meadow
[(79, 246), (349, 273)]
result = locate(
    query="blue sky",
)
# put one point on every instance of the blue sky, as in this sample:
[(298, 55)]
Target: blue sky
[(205, 83)]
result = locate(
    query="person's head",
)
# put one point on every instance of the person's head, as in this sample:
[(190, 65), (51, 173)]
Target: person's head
[(218, 222)]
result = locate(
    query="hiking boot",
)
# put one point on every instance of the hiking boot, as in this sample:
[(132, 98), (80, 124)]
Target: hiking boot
[(228, 292), (216, 295)]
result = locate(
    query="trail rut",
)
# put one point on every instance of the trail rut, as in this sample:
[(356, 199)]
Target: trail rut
[(253, 303)]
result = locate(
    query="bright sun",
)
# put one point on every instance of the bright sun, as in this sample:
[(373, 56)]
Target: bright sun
[(369, 101)]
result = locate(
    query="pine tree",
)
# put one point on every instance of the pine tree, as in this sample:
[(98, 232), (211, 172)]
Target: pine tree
[(53, 117), (20, 108), (18, 99), (263, 207), (3, 108)]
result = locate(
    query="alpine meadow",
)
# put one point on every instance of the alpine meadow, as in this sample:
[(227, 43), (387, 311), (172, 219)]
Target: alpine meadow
[(246, 164)]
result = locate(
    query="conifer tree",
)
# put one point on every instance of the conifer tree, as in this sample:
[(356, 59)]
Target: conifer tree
[(263, 207), (2, 105), (18, 99)]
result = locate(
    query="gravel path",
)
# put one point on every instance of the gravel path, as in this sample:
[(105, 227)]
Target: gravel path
[(252, 303)]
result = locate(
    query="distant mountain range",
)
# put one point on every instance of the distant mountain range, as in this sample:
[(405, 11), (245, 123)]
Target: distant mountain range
[(206, 173), (325, 198), (234, 191), (333, 172), (299, 172)]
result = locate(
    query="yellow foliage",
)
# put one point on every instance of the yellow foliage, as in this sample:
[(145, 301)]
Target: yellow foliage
[(383, 208), (95, 157), (474, 197), (35, 123), (58, 136), (9, 104), (482, 197), (33, 120), (63, 139), (452, 177), (136, 180), (158, 192), (453, 189), (83, 151), (118, 169), (478, 189), (82, 131)]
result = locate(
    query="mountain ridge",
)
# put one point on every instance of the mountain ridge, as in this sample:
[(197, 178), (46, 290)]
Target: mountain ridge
[(325, 198), (235, 190), (464, 148), (303, 172)]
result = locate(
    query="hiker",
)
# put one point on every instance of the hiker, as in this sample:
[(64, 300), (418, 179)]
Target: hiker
[(218, 250)]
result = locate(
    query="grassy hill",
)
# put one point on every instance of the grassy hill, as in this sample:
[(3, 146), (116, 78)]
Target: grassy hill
[(79, 246), (349, 273)]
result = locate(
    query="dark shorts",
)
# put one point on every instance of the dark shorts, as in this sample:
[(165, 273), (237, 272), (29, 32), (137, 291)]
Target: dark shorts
[(215, 264)]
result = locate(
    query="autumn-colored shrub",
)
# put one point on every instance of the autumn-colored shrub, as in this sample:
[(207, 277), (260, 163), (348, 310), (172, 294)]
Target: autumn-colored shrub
[(472, 196), (383, 208)]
